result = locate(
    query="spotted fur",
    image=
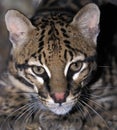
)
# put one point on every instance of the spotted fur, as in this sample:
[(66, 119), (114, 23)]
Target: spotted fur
[(52, 62)]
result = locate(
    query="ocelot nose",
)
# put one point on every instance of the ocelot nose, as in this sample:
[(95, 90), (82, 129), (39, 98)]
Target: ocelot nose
[(59, 97)]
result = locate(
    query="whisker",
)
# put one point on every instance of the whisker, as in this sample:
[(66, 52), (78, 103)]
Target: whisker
[(31, 112), (7, 119), (18, 116), (27, 117), (11, 115), (92, 96), (94, 103), (79, 108), (104, 66), (25, 111), (87, 112), (99, 87), (95, 112)]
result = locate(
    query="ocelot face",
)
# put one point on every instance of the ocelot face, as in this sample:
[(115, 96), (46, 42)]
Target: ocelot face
[(54, 56)]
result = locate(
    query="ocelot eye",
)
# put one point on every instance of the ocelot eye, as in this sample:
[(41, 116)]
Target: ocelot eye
[(76, 66), (38, 70)]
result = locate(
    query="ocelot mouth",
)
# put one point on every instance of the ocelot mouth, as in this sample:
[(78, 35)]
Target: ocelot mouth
[(61, 105)]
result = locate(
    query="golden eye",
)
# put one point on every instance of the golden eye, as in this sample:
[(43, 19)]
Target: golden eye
[(76, 66), (38, 70)]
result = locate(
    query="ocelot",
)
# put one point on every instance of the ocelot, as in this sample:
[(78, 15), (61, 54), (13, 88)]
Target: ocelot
[(51, 82)]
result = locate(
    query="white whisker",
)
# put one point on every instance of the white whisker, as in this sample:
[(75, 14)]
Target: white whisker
[(25, 111), (87, 112), (104, 66), (82, 113), (95, 112), (9, 116), (27, 117), (94, 103)]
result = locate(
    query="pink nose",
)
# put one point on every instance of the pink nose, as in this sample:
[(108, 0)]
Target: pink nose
[(59, 97)]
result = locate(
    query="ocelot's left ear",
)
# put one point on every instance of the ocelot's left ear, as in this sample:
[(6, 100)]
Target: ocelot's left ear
[(87, 21), (19, 27)]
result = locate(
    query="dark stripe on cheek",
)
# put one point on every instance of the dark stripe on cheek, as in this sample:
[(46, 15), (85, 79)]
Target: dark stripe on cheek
[(22, 80)]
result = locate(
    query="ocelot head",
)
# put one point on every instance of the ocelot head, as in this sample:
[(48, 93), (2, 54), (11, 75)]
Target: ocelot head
[(53, 54)]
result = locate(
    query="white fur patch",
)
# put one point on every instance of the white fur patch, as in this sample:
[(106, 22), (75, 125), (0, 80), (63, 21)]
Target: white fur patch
[(47, 70), (41, 81), (36, 63), (66, 68)]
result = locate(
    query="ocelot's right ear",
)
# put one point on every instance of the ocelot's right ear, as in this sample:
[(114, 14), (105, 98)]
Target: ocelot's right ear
[(87, 21), (19, 27)]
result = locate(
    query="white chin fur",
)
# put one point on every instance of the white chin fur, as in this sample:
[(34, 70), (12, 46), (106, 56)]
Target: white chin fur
[(61, 109)]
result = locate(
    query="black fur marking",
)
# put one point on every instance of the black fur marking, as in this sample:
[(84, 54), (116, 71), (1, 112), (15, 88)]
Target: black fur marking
[(40, 49), (69, 47), (33, 55), (65, 35), (41, 44), (22, 80), (41, 38), (65, 54), (71, 54), (21, 66), (66, 42), (42, 33), (57, 32), (40, 57), (50, 31)]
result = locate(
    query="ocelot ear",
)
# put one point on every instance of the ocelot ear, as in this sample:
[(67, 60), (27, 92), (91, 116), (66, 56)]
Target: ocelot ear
[(87, 21), (18, 26)]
